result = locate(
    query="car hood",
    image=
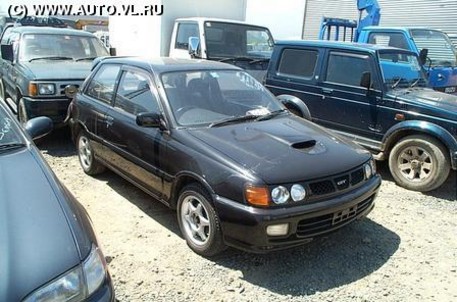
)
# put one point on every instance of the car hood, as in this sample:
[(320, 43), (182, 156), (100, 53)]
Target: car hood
[(58, 70), (37, 244), (284, 149), (429, 97)]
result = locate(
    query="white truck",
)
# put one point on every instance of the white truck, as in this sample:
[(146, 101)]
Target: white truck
[(221, 35)]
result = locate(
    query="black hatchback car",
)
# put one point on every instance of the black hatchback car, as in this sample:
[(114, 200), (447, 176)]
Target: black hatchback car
[(47, 245), (209, 140)]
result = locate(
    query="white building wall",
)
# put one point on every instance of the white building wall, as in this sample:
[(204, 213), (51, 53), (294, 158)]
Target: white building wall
[(284, 18)]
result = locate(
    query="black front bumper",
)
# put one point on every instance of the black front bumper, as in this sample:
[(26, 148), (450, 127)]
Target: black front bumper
[(244, 227), (56, 109)]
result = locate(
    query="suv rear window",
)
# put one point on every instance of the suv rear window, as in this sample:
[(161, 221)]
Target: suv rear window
[(298, 62)]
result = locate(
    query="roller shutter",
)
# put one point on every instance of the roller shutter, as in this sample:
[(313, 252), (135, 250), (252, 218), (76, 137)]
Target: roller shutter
[(435, 14)]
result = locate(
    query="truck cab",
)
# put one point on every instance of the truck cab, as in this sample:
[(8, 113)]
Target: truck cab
[(376, 96), (441, 62), (245, 45)]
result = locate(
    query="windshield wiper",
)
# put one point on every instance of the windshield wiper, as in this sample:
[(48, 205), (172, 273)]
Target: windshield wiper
[(416, 81), (85, 58), (397, 82), (11, 146), (270, 115), (234, 119), (51, 58)]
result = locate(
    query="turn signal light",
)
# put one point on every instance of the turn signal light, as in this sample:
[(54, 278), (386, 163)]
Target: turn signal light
[(33, 90), (258, 196)]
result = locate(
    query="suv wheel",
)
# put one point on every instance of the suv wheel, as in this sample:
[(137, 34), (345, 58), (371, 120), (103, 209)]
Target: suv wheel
[(199, 222), (86, 156), (419, 163)]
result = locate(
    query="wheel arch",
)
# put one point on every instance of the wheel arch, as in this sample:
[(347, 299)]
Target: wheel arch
[(408, 128), (295, 103), (183, 179)]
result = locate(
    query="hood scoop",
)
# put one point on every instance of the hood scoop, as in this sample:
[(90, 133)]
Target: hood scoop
[(304, 145)]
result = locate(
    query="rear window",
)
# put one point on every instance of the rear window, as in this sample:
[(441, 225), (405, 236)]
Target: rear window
[(298, 62)]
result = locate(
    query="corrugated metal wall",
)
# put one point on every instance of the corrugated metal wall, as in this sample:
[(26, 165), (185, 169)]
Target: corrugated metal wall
[(436, 14)]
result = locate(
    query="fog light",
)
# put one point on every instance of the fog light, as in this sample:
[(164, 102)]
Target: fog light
[(278, 229)]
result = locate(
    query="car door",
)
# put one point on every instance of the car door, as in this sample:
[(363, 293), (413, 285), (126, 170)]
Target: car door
[(94, 103), (134, 150), (345, 105)]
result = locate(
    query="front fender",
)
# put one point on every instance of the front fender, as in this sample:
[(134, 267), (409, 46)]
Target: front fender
[(398, 131)]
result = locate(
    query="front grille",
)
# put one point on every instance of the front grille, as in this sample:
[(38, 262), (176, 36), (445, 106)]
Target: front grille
[(322, 187), (339, 183), (317, 225)]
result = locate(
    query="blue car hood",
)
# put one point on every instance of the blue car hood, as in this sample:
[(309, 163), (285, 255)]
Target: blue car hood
[(36, 241)]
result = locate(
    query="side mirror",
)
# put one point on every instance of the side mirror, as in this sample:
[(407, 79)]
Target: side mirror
[(365, 81), (39, 126), (112, 51), (423, 56), (7, 52), (194, 44), (149, 119)]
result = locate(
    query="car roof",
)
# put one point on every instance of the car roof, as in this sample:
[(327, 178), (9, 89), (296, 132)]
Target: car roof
[(166, 64), (340, 45), (51, 30)]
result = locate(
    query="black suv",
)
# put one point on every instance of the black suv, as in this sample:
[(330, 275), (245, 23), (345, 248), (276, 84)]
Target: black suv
[(38, 63), (377, 97), (209, 140)]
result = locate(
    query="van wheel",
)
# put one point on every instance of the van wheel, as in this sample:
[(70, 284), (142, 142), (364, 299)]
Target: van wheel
[(420, 163), (199, 222), (86, 156)]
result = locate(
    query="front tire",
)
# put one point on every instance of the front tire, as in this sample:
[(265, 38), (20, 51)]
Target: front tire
[(86, 156), (420, 163), (199, 222)]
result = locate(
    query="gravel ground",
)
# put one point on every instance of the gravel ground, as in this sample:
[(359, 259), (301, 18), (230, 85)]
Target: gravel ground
[(406, 250)]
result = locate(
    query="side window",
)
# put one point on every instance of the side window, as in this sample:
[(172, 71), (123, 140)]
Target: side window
[(186, 30), (102, 84), (389, 39), (6, 34), (134, 94), (346, 69), (298, 62)]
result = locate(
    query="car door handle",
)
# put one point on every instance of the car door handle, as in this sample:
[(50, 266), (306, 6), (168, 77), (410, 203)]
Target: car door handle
[(327, 90), (109, 120)]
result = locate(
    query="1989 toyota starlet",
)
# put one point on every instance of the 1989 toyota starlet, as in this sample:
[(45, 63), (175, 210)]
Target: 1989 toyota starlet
[(207, 139)]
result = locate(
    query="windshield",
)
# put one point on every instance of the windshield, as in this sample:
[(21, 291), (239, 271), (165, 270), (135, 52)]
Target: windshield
[(9, 134), (401, 70), (228, 40), (42, 46), (202, 98), (440, 49)]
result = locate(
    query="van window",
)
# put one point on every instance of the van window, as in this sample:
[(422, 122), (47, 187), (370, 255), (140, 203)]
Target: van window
[(185, 31), (346, 69), (298, 62)]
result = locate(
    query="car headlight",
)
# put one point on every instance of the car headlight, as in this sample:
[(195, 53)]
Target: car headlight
[(280, 195), (373, 166), (370, 169), (75, 285), (297, 192), (46, 89)]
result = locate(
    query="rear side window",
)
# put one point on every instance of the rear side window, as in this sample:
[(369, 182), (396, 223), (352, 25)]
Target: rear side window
[(298, 63), (102, 84), (134, 94), (346, 69)]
